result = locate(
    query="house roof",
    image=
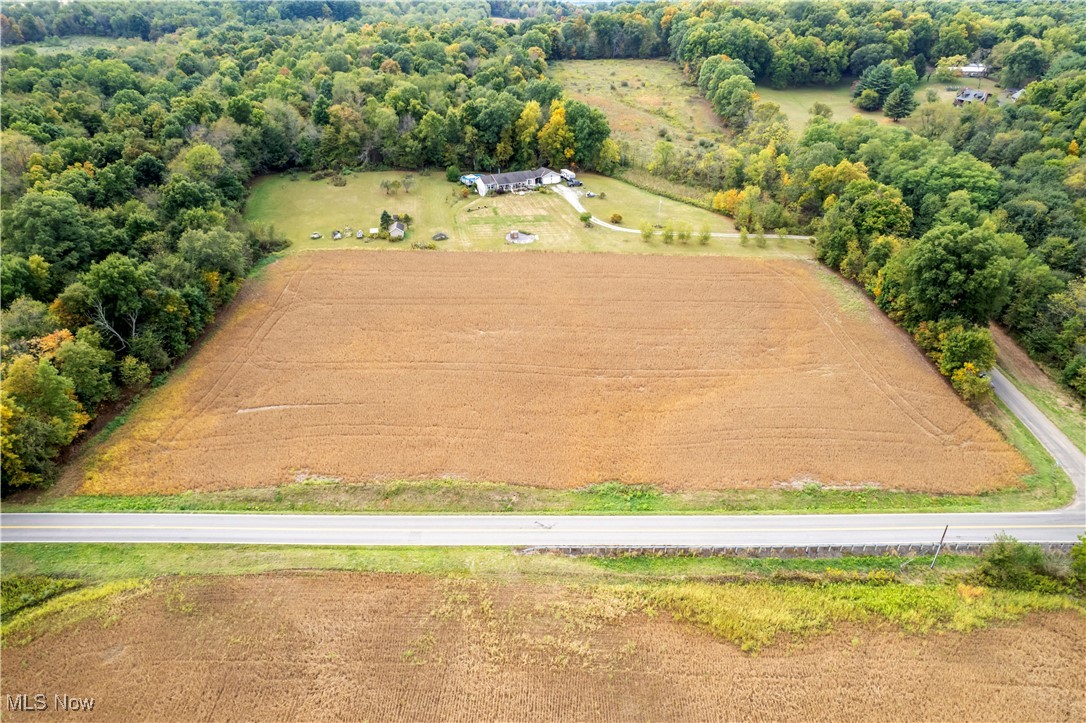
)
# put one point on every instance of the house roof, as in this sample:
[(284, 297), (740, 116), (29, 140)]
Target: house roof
[(498, 179), (396, 226), (972, 95)]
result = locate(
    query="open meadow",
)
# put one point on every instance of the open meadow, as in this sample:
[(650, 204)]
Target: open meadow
[(645, 101), (297, 208), (552, 370), (415, 647), (796, 103)]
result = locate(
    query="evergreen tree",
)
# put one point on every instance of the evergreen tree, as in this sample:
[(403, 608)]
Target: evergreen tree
[(900, 103)]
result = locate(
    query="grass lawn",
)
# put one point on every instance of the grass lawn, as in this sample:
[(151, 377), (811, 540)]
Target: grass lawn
[(299, 207), (103, 562), (796, 103), (645, 101)]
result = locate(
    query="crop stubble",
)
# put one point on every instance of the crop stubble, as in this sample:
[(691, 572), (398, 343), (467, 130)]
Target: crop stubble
[(555, 370), (386, 647)]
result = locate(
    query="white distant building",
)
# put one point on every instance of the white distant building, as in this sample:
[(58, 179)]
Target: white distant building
[(973, 70), (516, 181)]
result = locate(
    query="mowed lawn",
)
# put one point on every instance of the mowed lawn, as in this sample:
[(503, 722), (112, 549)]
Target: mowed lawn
[(645, 101), (796, 103), (297, 208)]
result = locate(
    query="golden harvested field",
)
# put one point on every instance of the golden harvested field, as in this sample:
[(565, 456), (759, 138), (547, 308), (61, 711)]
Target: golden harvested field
[(554, 370), (414, 648)]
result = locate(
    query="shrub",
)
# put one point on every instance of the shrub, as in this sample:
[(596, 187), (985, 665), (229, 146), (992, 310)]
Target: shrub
[(647, 231), (452, 173), (1015, 565), (616, 218), (134, 372), (970, 384), (586, 219)]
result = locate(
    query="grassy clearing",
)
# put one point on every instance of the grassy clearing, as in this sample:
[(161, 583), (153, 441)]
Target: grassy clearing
[(646, 101), (796, 103), (77, 43), (299, 207)]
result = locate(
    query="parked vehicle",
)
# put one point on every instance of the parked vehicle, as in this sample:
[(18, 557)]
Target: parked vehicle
[(573, 183), (315, 235)]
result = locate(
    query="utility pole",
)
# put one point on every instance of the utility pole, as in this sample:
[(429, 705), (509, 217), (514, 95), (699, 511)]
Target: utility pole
[(939, 548)]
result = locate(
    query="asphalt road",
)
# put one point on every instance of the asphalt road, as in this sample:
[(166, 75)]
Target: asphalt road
[(457, 530), (1062, 525)]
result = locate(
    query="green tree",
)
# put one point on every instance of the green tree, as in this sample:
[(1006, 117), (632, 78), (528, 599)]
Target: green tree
[(955, 270), (42, 415), (88, 366), (900, 103)]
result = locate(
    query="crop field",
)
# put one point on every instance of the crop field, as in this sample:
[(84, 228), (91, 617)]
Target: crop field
[(552, 370), (645, 101), (297, 208), (392, 647)]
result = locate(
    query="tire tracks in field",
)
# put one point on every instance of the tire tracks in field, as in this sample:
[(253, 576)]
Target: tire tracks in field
[(856, 352), (237, 362)]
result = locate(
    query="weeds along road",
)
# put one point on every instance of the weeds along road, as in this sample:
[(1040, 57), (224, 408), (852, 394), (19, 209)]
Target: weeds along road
[(1063, 525)]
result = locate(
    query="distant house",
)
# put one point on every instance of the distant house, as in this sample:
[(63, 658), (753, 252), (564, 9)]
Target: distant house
[(516, 181), (469, 179), (396, 230), (1017, 94), (973, 70), (972, 96)]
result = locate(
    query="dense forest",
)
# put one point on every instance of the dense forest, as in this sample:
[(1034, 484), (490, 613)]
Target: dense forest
[(124, 165)]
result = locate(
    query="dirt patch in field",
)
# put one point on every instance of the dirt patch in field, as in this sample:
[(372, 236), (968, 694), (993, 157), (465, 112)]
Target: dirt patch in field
[(376, 647), (554, 370)]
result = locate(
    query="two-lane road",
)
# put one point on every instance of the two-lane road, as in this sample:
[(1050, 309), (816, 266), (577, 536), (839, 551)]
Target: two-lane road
[(457, 530)]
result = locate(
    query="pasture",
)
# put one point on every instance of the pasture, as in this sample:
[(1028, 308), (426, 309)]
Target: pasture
[(297, 208), (556, 371), (418, 647), (645, 101)]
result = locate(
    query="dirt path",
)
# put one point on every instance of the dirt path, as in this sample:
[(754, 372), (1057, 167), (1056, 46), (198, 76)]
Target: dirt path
[(574, 198)]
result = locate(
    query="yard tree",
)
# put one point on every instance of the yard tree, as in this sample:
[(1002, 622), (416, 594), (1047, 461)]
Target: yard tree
[(900, 103), (556, 141), (590, 132), (524, 133)]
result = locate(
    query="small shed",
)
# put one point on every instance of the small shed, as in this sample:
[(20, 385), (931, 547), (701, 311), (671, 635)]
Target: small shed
[(397, 230)]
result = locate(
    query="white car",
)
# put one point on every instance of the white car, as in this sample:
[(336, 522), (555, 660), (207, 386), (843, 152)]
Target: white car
[(314, 235)]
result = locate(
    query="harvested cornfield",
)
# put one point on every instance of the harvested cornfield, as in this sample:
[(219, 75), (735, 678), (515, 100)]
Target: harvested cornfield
[(557, 371), (413, 648)]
